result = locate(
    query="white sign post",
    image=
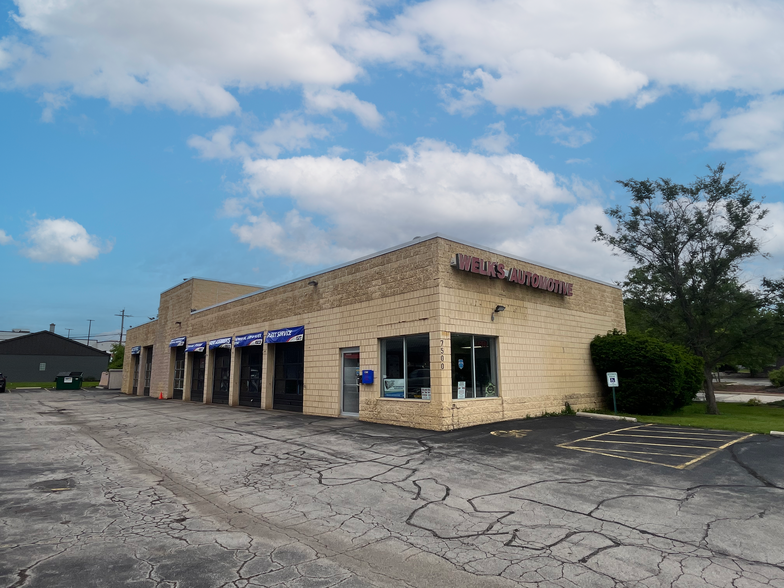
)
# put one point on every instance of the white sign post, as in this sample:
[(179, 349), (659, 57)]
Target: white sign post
[(612, 382)]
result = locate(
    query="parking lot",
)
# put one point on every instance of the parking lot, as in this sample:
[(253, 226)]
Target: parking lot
[(101, 489)]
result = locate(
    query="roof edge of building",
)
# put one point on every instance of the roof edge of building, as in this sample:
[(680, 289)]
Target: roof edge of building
[(414, 241)]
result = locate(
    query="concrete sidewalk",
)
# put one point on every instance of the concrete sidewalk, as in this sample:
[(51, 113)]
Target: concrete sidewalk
[(743, 397)]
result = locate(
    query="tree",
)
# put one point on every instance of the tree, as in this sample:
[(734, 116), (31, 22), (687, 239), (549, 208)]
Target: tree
[(118, 356), (688, 243)]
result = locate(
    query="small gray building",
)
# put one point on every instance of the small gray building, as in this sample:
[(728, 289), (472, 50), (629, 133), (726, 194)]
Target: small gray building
[(39, 357)]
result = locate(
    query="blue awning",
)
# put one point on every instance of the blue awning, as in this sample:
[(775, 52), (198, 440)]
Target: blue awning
[(222, 343), (201, 346), (136, 350), (249, 339), (289, 335), (177, 342)]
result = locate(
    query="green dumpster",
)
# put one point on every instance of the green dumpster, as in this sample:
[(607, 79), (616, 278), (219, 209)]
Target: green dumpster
[(68, 381)]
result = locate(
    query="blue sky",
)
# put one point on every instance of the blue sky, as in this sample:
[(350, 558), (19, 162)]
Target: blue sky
[(255, 142)]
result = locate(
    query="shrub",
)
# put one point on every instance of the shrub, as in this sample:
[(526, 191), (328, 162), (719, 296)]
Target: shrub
[(777, 377), (654, 377)]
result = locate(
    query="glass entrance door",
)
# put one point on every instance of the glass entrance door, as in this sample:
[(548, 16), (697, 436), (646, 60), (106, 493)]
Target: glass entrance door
[(349, 397), (148, 372), (179, 372)]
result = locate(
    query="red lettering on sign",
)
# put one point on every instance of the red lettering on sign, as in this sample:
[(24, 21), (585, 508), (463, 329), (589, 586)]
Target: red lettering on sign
[(534, 280), (527, 278), (464, 262), (499, 271), (475, 263), (550, 284), (569, 289), (543, 282), (513, 274)]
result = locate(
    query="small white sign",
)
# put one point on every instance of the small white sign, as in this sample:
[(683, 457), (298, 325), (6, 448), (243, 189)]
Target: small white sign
[(67, 380), (461, 388), (425, 393), (41, 367), (612, 379)]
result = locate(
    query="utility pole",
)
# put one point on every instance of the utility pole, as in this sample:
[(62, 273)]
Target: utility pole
[(122, 322), (89, 328), (69, 332)]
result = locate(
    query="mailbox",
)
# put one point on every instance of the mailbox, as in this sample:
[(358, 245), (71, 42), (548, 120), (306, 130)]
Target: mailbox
[(367, 376)]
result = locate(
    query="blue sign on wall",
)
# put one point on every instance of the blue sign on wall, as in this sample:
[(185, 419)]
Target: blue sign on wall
[(460, 363), (222, 343), (286, 335), (249, 339), (136, 350), (177, 342), (196, 347)]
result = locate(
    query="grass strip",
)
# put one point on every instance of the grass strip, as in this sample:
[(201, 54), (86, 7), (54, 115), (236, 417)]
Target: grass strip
[(763, 418)]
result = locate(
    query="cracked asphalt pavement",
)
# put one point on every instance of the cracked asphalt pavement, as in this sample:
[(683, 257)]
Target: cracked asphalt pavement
[(102, 489)]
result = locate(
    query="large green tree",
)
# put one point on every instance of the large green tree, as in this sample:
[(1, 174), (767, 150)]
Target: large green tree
[(689, 244)]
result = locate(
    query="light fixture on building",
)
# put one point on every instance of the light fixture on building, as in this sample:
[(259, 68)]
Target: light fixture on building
[(498, 308), (313, 283), (178, 323)]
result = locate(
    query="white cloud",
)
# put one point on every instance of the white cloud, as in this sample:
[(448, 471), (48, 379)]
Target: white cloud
[(289, 132), (5, 238), (217, 146), (495, 140), (52, 103), (707, 111), (62, 240), (577, 55), (758, 130), (528, 55), (344, 208), (326, 100), (181, 54), (568, 136)]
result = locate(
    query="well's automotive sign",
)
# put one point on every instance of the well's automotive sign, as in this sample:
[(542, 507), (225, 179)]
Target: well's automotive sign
[(494, 270)]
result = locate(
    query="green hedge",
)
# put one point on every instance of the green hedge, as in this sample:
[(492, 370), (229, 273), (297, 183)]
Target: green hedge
[(654, 377), (777, 377)]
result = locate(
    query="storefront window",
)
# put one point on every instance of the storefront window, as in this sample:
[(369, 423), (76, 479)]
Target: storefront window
[(405, 367), (474, 369)]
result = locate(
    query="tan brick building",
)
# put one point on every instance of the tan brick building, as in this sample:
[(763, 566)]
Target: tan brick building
[(437, 334)]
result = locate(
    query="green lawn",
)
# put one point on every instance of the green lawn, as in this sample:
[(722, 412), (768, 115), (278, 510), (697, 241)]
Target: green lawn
[(733, 417), (13, 385)]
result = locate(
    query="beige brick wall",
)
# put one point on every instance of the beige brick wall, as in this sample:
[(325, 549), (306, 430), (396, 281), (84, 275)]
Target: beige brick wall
[(543, 337)]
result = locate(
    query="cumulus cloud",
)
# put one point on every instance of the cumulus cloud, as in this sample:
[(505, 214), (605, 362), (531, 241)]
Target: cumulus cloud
[(326, 100), (181, 54), (577, 55), (62, 240), (289, 132), (343, 208), (526, 55), (495, 140), (5, 238), (758, 130)]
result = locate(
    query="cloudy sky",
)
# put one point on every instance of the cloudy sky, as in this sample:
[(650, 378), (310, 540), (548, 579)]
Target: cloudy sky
[(256, 141)]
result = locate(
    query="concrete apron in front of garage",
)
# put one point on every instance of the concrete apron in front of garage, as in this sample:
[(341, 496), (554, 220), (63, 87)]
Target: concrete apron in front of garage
[(101, 489)]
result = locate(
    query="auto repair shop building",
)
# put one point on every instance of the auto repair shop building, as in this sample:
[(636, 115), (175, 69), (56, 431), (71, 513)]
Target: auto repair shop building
[(436, 333)]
